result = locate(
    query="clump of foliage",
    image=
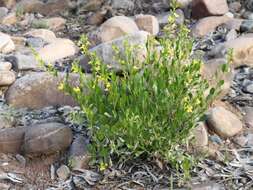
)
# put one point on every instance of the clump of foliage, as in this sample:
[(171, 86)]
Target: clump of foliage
[(148, 110)]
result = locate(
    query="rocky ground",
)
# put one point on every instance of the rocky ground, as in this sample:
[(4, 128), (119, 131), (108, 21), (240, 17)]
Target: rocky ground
[(40, 146)]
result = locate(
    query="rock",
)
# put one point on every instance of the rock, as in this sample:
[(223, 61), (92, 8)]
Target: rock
[(7, 78), (248, 88), (21, 159), (106, 52), (233, 24), (208, 24), (11, 139), (96, 18), (89, 5), (5, 66), (47, 138), (231, 35), (242, 50), (7, 3), (78, 155), (147, 23), (249, 5), (38, 90), (47, 35), (4, 186), (200, 135), (10, 19), (204, 8), (116, 27), (7, 121), (55, 23), (23, 62), (234, 7), (52, 7), (246, 26), (3, 12), (36, 43), (123, 4), (29, 6), (208, 186), (6, 44), (59, 49), (223, 122), (63, 172), (248, 118), (18, 41), (211, 71)]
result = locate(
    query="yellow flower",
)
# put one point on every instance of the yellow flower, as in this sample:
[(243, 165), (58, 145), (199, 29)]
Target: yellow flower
[(189, 109), (108, 86), (198, 101), (61, 86), (185, 99), (103, 166), (76, 89)]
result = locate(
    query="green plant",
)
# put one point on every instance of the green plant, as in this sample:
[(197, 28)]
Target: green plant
[(148, 110), (19, 11)]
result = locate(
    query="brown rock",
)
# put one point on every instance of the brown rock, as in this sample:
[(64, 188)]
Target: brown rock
[(204, 8), (234, 23), (46, 35), (38, 90), (5, 66), (10, 19), (47, 138), (147, 23), (55, 23), (208, 24), (7, 78), (223, 122), (11, 139), (63, 172), (116, 27), (7, 3), (96, 18), (59, 49), (50, 8), (6, 44)]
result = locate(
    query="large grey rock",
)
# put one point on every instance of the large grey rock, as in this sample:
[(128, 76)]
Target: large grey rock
[(47, 138), (106, 52), (23, 62), (38, 90)]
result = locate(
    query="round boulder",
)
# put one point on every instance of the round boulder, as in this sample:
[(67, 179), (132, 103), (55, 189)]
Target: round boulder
[(47, 138)]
